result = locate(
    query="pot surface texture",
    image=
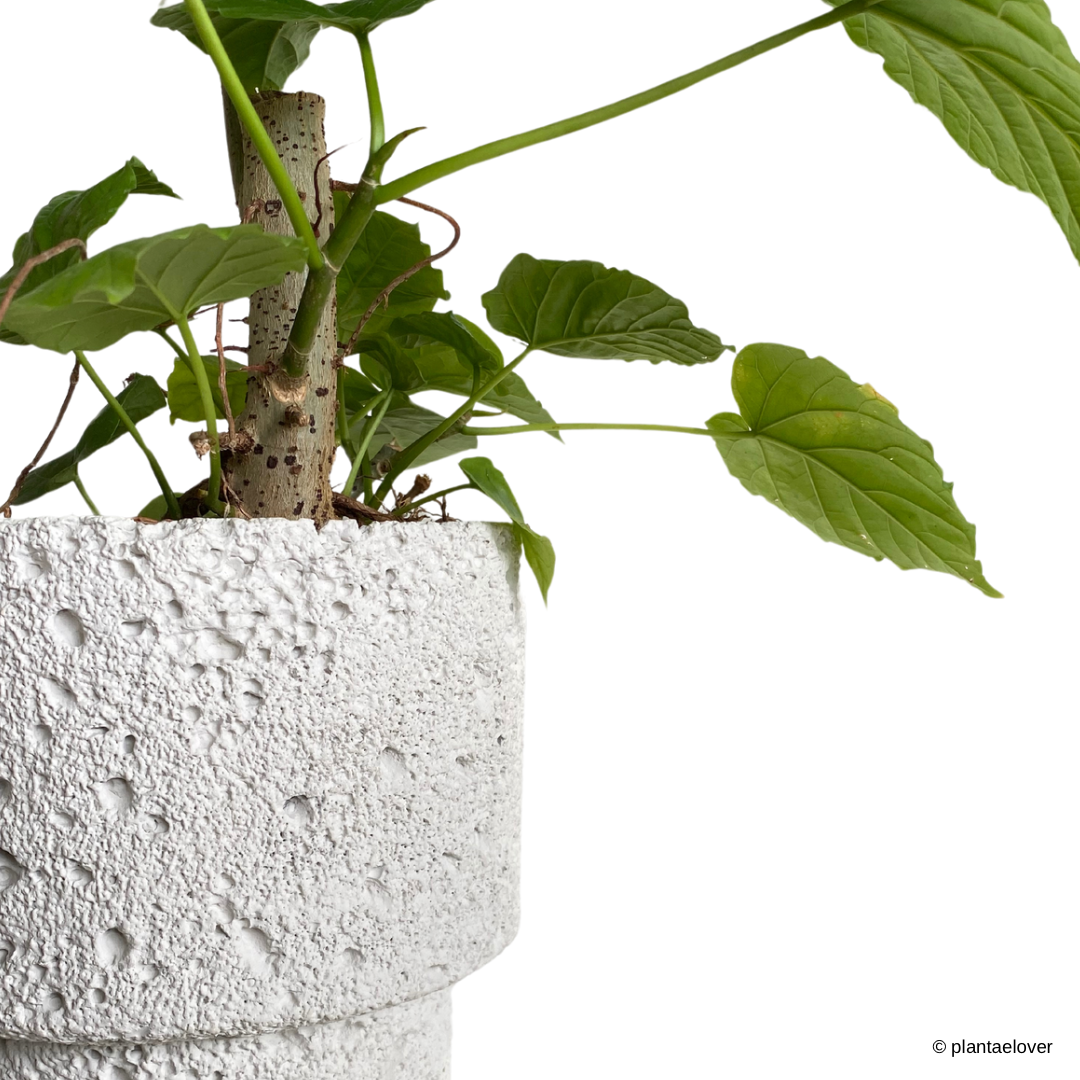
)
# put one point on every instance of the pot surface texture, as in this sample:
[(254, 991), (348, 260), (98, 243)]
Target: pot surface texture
[(259, 793)]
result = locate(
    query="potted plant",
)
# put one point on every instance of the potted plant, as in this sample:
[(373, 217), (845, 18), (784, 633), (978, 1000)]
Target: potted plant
[(388, 359)]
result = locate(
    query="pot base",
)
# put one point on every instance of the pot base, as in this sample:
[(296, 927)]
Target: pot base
[(404, 1042)]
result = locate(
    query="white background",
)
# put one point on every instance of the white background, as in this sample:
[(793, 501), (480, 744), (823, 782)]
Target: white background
[(790, 813)]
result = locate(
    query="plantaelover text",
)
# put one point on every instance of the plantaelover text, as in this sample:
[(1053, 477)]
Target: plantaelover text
[(1013, 1047)]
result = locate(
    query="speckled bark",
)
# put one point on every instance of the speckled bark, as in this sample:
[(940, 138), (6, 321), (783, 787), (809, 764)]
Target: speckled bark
[(291, 420)]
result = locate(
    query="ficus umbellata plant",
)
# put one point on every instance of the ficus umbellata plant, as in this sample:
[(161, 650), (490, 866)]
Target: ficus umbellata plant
[(343, 331)]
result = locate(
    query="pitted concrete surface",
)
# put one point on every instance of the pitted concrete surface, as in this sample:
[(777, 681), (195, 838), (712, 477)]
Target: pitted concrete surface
[(253, 778), (406, 1042)]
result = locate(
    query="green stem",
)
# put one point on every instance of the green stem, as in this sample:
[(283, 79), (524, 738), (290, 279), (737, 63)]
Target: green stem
[(260, 138), (582, 427), (370, 427), (415, 449), (371, 81), (206, 396), (343, 434), (429, 498), (321, 284), (365, 472), (176, 348), (86, 498), (133, 431), (436, 171)]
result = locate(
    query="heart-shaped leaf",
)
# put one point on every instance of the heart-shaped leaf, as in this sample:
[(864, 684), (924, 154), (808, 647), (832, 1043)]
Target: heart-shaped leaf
[(75, 215), (835, 456), (141, 397), (143, 283), (1000, 77), (387, 248), (267, 40), (584, 309), (185, 401), (539, 551)]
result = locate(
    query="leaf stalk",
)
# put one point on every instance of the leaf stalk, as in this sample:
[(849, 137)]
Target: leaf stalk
[(133, 431), (260, 138), (436, 171)]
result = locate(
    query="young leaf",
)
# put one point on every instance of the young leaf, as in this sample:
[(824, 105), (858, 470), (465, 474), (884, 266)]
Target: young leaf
[(185, 401), (584, 309), (1000, 77), (75, 214), (835, 456), (141, 397), (140, 284), (388, 247), (539, 552)]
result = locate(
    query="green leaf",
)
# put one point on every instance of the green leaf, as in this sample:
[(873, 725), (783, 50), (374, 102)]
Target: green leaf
[(835, 456), (141, 397), (413, 363), (267, 40), (387, 248), (449, 329), (75, 214), (404, 423), (143, 283), (388, 366), (264, 54), (185, 403), (539, 552), (359, 392), (1001, 77), (584, 309), (157, 508)]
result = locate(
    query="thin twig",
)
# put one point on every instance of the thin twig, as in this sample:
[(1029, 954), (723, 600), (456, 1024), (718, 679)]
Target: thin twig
[(225, 403), (315, 180), (33, 262), (384, 296), (72, 381)]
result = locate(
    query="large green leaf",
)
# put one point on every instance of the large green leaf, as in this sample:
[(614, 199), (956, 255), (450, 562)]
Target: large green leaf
[(539, 551), (835, 456), (585, 309), (267, 40), (355, 16), (185, 401), (264, 54), (1001, 77), (143, 283), (141, 397), (75, 215), (387, 248)]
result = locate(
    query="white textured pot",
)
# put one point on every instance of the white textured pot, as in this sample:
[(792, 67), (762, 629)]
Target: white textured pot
[(259, 794)]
